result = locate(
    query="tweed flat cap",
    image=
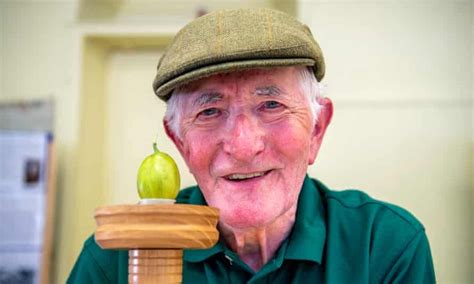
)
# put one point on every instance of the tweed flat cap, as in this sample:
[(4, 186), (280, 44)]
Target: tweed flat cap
[(231, 40)]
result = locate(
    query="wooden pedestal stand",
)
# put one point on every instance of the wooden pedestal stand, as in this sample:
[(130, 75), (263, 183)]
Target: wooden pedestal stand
[(155, 236)]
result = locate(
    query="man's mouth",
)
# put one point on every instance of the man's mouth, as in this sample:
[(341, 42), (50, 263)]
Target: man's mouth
[(242, 177)]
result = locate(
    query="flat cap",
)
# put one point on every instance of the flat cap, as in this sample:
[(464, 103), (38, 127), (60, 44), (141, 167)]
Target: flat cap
[(231, 40)]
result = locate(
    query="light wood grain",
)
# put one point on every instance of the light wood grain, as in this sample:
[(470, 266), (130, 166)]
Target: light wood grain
[(155, 266), (156, 235), (156, 226)]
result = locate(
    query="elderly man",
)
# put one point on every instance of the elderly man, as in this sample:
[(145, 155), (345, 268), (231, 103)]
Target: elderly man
[(245, 112)]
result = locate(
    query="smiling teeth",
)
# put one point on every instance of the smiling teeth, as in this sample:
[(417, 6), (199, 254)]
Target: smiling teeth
[(245, 176)]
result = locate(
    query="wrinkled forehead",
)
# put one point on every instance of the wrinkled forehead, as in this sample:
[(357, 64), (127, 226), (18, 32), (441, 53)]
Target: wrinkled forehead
[(251, 80)]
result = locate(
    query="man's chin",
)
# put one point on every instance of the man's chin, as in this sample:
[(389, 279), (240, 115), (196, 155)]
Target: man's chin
[(246, 220)]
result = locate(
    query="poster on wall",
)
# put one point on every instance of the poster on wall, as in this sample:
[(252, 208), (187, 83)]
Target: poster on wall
[(27, 190), (23, 196)]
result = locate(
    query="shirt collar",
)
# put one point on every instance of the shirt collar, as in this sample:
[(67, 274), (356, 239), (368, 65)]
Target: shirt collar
[(308, 236)]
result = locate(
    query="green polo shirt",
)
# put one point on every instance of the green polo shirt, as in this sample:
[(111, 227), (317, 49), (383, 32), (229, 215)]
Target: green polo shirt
[(338, 237)]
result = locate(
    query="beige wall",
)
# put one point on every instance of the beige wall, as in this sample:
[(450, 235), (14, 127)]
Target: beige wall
[(399, 72), (129, 135), (40, 59)]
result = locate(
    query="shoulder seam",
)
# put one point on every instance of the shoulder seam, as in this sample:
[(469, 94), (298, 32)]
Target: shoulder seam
[(409, 243), (96, 263), (382, 205), (417, 233)]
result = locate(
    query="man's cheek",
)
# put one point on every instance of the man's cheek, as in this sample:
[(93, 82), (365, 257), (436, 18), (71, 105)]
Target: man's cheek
[(291, 144), (197, 153)]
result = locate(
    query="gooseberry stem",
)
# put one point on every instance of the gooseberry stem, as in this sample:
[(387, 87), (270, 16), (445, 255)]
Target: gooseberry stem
[(155, 148)]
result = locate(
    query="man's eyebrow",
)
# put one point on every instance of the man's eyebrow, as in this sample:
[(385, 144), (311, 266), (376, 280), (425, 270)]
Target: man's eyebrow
[(207, 97), (268, 91)]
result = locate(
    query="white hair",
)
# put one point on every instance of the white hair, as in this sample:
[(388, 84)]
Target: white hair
[(308, 84), (312, 89)]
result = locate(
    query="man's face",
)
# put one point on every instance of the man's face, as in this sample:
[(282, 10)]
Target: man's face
[(248, 138)]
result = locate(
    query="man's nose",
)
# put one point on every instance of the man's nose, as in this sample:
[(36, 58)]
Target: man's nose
[(244, 138)]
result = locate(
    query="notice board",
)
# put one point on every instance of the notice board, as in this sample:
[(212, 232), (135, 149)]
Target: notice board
[(27, 193)]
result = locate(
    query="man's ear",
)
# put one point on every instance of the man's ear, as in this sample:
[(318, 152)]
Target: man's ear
[(174, 137), (324, 118)]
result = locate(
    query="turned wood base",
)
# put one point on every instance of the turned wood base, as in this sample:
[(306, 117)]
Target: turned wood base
[(155, 236), (155, 266)]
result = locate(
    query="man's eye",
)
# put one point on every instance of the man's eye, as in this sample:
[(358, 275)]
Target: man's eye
[(271, 105), (209, 112)]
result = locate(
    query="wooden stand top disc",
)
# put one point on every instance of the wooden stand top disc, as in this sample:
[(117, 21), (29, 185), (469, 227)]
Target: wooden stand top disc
[(168, 226)]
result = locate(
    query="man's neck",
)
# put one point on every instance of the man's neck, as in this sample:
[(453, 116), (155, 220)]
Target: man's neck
[(256, 246)]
